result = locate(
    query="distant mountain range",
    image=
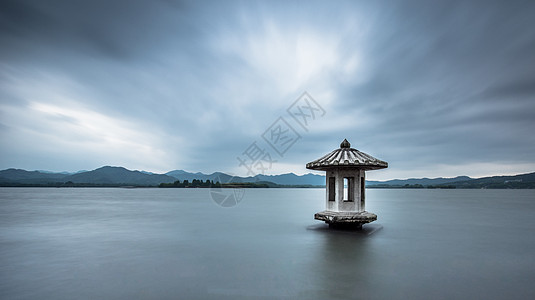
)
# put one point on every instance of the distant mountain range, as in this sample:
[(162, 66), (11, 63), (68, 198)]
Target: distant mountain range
[(105, 176), (523, 181), (420, 181), (119, 176)]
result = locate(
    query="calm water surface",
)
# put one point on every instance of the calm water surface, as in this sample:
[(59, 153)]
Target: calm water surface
[(178, 244)]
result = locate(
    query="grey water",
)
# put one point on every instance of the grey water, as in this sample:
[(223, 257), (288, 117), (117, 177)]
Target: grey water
[(117, 243)]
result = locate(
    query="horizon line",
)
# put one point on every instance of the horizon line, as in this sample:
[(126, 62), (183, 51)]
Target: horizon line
[(310, 173)]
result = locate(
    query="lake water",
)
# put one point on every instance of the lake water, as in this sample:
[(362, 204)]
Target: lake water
[(178, 244)]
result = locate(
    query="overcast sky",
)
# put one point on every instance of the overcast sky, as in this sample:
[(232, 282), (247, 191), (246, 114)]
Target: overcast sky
[(435, 88)]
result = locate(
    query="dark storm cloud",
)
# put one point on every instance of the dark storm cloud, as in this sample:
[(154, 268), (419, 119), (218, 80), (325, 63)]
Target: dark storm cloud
[(438, 82), (118, 29), (455, 76)]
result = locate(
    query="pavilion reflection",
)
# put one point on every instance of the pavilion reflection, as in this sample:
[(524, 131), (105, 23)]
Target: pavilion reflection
[(342, 261)]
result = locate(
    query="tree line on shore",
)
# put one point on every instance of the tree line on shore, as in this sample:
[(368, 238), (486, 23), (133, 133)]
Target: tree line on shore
[(193, 183), (197, 183), (410, 186)]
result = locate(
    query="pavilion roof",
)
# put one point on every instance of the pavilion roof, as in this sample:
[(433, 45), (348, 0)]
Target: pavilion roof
[(345, 157)]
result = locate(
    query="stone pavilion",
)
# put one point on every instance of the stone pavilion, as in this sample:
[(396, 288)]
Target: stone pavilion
[(345, 199)]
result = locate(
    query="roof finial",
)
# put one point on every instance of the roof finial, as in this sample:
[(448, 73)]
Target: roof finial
[(345, 144)]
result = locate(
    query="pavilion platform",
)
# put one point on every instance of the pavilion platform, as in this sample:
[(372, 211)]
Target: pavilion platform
[(345, 218)]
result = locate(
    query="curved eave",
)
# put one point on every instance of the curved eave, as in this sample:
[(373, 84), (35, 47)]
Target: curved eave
[(347, 158), (345, 166)]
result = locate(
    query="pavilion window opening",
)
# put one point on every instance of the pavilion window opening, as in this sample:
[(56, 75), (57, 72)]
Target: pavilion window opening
[(362, 191), (349, 189), (332, 189)]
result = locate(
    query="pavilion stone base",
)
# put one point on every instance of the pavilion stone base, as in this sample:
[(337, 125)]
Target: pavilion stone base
[(346, 218)]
